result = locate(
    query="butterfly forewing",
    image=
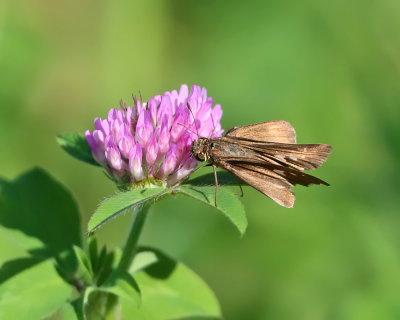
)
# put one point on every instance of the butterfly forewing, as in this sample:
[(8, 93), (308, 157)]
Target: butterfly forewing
[(299, 156), (270, 131)]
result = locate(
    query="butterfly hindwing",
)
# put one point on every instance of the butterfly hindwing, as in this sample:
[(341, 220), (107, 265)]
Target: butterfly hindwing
[(274, 188)]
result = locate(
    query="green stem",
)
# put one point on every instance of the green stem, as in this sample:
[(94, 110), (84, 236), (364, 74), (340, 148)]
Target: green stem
[(140, 213)]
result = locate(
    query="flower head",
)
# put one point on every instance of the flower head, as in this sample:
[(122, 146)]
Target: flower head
[(149, 143)]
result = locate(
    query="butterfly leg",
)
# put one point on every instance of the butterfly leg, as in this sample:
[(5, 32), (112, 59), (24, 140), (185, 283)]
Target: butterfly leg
[(241, 190), (216, 185), (198, 168)]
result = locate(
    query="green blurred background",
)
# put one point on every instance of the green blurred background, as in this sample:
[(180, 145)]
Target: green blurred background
[(331, 68)]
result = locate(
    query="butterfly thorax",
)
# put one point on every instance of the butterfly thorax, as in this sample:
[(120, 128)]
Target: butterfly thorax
[(216, 149)]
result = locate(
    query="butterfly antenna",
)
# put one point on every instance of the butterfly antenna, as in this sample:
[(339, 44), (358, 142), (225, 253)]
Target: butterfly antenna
[(194, 119), (212, 120), (187, 129)]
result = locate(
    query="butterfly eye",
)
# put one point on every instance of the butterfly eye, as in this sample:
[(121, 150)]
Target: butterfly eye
[(212, 145), (199, 157)]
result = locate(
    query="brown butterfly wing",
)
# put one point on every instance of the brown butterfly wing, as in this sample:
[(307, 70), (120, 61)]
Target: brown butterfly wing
[(273, 187), (270, 131), (292, 176), (299, 156)]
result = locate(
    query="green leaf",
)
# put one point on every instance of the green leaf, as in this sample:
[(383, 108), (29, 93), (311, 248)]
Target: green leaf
[(33, 293), (16, 244), (85, 265), (122, 284), (106, 262), (35, 200), (14, 252), (227, 203), (67, 312), (41, 208), (76, 145), (198, 318), (142, 260), (208, 179), (77, 304), (93, 251), (170, 290), (112, 207), (99, 304), (94, 304)]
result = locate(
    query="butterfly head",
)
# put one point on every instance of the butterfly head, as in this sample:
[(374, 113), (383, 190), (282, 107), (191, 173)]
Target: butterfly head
[(199, 149)]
